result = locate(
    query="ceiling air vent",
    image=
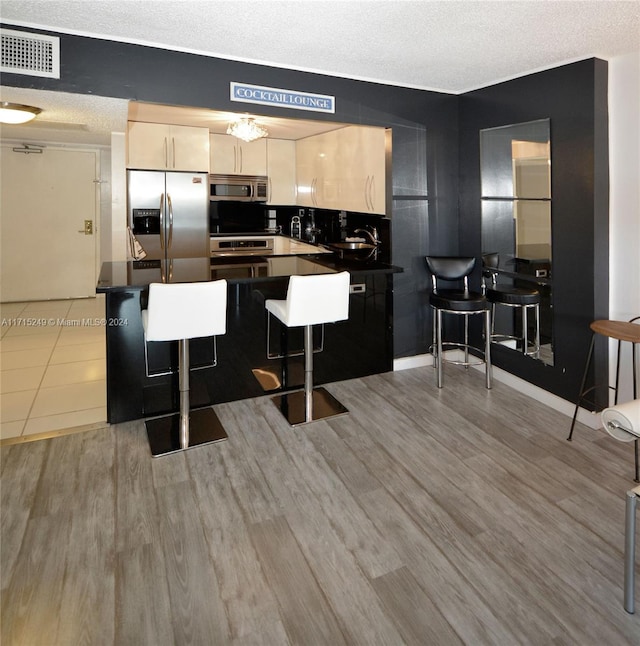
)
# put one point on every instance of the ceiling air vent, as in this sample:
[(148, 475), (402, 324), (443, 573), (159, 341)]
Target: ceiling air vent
[(30, 54)]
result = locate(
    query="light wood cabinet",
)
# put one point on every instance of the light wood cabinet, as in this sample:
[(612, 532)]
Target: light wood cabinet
[(281, 171), (157, 146), (317, 173), (232, 156), (343, 169), (363, 168)]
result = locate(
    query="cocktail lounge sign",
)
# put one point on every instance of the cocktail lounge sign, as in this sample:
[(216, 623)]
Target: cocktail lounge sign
[(284, 98)]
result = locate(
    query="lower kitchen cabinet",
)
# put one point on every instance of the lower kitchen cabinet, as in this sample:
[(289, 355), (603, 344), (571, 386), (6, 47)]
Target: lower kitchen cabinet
[(360, 346)]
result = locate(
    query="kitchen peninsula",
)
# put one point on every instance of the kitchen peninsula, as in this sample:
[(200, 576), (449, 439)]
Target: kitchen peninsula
[(360, 346)]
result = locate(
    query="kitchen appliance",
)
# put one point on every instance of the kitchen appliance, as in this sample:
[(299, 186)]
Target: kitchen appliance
[(238, 188), (237, 217), (296, 227), (243, 246), (169, 213)]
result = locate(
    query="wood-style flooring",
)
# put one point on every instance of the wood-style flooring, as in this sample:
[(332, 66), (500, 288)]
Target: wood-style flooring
[(459, 516)]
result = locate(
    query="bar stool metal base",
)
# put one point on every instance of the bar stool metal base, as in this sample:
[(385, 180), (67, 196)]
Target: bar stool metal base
[(630, 549), (292, 406), (164, 432)]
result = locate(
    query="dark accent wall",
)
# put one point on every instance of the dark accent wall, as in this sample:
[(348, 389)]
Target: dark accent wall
[(424, 137), (435, 182), (574, 98)]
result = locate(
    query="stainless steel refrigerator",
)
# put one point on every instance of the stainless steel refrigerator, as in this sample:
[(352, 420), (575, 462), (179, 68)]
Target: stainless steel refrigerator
[(168, 213)]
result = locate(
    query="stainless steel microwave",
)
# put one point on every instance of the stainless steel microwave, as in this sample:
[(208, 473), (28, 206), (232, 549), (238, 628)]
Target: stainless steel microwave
[(238, 188)]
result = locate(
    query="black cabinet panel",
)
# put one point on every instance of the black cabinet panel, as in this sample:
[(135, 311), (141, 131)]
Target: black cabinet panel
[(354, 348)]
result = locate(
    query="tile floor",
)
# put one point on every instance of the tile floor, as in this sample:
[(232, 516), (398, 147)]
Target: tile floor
[(53, 372)]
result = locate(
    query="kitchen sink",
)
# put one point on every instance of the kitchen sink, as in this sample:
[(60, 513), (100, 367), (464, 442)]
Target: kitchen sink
[(351, 246)]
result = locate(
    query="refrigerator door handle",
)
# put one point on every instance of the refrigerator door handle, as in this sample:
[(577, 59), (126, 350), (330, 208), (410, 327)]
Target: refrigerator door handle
[(170, 205), (162, 221)]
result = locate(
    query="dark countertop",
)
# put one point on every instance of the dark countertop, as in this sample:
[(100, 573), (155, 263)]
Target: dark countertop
[(120, 275)]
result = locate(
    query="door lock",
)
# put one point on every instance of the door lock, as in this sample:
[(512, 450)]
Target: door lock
[(88, 228)]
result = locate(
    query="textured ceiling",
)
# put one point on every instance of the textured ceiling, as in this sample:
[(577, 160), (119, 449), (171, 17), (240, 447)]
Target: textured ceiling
[(447, 46), (451, 46)]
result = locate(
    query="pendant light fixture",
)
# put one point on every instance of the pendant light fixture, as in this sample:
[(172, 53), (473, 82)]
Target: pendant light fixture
[(246, 129), (16, 113)]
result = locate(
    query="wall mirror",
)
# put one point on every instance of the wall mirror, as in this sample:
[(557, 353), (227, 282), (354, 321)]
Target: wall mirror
[(515, 168)]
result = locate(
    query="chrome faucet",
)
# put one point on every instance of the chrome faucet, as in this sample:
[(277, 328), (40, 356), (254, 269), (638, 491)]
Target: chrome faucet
[(373, 234)]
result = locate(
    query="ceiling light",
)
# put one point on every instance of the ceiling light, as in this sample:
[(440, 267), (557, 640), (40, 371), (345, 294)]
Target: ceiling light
[(246, 129), (16, 113)]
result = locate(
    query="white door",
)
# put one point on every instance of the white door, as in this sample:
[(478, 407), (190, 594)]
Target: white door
[(48, 224)]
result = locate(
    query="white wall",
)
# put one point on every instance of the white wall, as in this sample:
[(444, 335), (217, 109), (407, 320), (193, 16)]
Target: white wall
[(624, 211), (118, 197)]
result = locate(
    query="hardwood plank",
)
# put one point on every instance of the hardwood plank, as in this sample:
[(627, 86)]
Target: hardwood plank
[(54, 493), (464, 608), (31, 602), (444, 423), (342, 579), (434, 466), (247, 454), (279, 480), (344, 462), (306, 615), (540, 569), (20, 476), (143, 610), (523, 508), (87, 603), (348, 520), (197, 612), (249, 602), (418, 619), (137, 521)]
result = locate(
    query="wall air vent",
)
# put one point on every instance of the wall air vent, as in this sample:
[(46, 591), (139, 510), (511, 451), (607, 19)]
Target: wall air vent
[(30, 54)]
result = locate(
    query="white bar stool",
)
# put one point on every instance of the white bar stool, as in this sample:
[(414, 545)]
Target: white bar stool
[(179, 312), (311, 300)]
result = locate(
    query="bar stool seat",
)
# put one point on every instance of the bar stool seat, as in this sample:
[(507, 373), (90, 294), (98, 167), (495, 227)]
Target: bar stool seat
[(179, 312), (628, 331), (512, 295), (311, 300)]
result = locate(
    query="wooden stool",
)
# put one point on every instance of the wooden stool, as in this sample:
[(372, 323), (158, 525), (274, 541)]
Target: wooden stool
[(621, 331)]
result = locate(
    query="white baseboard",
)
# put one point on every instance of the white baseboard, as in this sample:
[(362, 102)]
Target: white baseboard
[(549, 399)]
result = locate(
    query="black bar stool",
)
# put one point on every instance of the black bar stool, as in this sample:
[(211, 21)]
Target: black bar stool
[(514, 297), (461, 302)]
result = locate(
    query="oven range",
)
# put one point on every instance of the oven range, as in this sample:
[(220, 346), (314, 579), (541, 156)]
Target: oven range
[(260, 245), (241, 246)]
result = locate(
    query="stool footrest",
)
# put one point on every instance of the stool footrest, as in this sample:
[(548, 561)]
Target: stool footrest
[(292, 406), (164, 432)]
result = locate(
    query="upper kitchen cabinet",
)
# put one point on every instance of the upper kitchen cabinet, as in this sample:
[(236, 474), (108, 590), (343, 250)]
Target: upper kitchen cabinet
[(317, 175), (157, 146), (232, 156), (343, 169), (281, 172), (363, 167)]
